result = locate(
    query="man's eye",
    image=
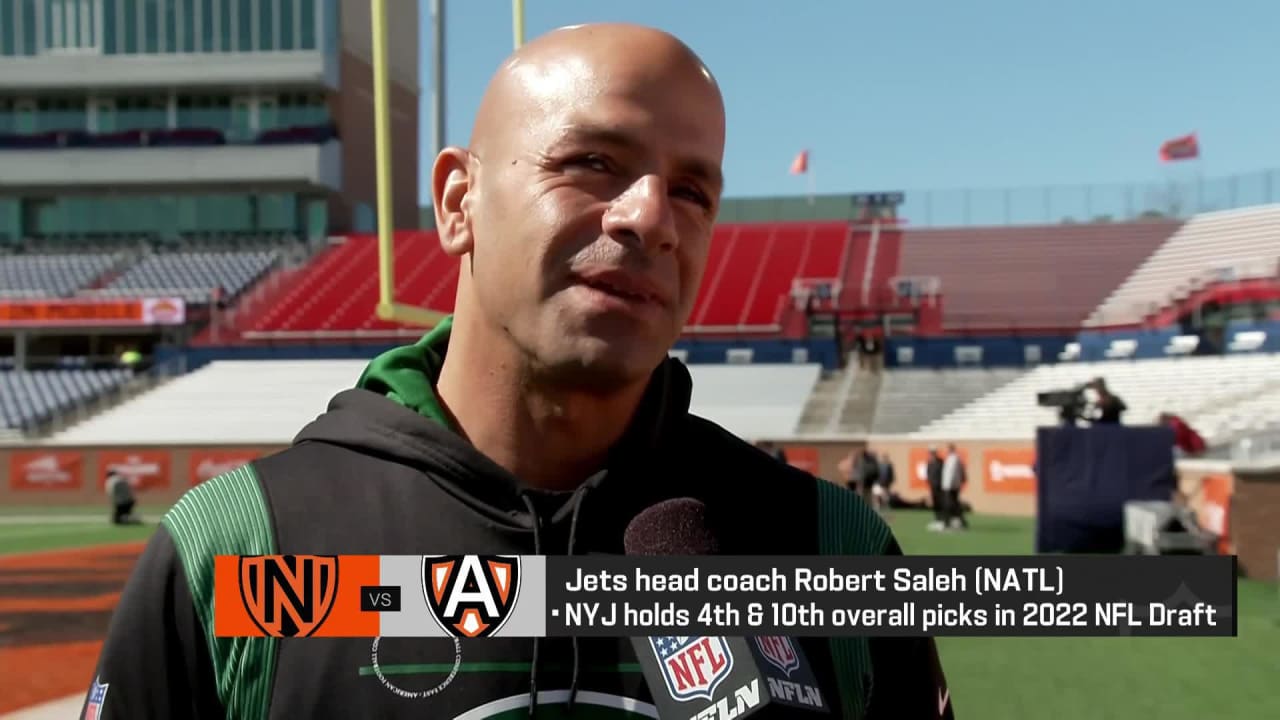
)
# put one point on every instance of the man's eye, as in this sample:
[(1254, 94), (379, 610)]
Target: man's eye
[(591, 162), (693, 194)]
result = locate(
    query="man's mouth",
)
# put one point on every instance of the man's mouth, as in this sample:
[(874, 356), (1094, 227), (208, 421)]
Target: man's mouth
[(619, 291)]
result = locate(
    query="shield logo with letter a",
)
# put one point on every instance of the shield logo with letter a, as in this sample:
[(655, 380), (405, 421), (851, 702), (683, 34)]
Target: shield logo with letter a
[(780, 653), (471, 596), (288, 595)]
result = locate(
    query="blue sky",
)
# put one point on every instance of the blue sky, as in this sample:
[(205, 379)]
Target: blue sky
[(915, 94)]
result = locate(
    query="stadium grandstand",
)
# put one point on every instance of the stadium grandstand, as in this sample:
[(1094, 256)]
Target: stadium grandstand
[(189, 271)]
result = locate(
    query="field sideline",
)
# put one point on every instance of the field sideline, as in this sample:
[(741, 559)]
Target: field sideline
[(996, 678)]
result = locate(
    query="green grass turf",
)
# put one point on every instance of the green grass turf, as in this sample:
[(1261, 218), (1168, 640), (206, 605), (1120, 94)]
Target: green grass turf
[(64, 510), (15, 539), (1101, 678)]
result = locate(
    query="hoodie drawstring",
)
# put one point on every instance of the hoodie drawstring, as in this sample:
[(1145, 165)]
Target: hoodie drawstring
[(537, 550), (578, 496), (573, 536)]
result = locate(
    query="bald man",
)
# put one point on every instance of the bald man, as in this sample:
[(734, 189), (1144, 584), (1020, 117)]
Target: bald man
[(540, 418)]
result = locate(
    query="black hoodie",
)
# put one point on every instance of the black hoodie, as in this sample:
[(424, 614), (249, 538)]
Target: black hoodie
[(382, 472)]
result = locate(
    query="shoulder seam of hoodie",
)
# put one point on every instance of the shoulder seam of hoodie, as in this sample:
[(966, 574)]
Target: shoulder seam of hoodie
[(227, 515)]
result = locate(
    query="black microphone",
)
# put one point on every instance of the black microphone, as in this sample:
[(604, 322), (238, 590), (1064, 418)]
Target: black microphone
[(713, 677)]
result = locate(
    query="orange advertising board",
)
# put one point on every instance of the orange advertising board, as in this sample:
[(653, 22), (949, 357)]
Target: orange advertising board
[(203, 465), (918, 465), (41, 470), (91, 312), (146, 469), (1215, 509), (1009, 471), (804, 457)]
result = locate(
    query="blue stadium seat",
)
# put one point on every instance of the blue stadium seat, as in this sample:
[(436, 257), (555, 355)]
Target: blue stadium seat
[(193, 275), (58, 275), (33, 397)]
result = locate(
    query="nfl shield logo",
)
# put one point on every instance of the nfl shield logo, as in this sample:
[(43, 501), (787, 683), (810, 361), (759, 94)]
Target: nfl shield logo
[(97, 696), (779, 652), (693, 667)]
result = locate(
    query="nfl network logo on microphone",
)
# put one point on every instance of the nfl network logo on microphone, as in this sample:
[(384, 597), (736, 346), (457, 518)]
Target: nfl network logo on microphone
[(779, 652), (693, 667)]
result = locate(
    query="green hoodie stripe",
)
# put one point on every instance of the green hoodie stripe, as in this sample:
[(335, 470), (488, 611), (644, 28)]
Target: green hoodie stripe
[(848, 526), (227, 515)]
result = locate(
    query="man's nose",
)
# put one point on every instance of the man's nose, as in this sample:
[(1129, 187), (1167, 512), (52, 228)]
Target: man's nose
[(642, 216)]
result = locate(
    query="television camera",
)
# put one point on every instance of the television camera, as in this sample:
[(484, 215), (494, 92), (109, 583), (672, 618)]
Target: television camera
[(1071, 403)]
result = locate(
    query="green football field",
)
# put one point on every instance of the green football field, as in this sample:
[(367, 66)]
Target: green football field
[(993, 678)]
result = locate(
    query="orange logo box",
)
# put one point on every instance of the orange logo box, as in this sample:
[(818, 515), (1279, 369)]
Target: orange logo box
[(918, 465), (1009, 471), (204, 465), (293, 595), (145, 469), (46, 471)]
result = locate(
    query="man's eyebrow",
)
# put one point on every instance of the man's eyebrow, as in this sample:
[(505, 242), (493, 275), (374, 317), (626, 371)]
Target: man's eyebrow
[(694, 167)]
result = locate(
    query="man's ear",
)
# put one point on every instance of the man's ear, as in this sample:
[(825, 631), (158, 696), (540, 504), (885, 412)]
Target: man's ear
[(451, 184)]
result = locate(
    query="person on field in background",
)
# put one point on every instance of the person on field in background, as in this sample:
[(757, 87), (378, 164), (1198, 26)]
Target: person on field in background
[(954, 478), (120, 494), (937, 496)]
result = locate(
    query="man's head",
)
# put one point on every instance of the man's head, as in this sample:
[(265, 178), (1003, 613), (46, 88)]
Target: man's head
[(583, 207)]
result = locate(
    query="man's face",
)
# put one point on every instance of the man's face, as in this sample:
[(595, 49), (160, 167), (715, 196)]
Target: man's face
[(592, 218)]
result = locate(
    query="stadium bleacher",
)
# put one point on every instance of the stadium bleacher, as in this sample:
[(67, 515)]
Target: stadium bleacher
[(1196, 388), (751, 267), (338, 289), (1049, 276), (52, 275), (192, 275), (29, 398), (748, 279), (268, 401), (1207, 247), (909, 399)]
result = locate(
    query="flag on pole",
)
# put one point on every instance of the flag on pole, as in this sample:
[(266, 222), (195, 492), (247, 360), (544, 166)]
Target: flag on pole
[(1186, 147), (800, 165)]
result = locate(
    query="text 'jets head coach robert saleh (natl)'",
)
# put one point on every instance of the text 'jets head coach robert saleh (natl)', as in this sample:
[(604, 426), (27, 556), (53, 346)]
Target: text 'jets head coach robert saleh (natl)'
[(541, 418)]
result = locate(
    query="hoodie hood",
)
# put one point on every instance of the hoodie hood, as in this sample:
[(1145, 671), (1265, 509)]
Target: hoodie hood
[(393, 412)]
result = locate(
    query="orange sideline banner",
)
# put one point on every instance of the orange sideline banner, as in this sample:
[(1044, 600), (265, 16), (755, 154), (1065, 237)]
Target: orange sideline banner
[(83, 312), (203, 465), (46, 470), (145, 469), (1010, 471)]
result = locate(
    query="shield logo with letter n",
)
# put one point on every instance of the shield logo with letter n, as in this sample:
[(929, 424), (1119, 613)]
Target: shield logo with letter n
[(471, 596), (288, 595)]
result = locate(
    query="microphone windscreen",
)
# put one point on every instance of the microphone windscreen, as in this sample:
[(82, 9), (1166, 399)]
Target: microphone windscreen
[(672, 527)]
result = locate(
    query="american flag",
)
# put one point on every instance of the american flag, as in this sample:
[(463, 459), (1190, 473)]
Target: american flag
[(97, 696), (668, 646)]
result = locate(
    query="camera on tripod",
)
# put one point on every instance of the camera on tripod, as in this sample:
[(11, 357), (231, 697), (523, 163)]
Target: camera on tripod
[(1071, 403)]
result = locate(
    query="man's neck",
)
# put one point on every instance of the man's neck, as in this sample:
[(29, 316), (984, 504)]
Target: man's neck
[(550, 439)]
